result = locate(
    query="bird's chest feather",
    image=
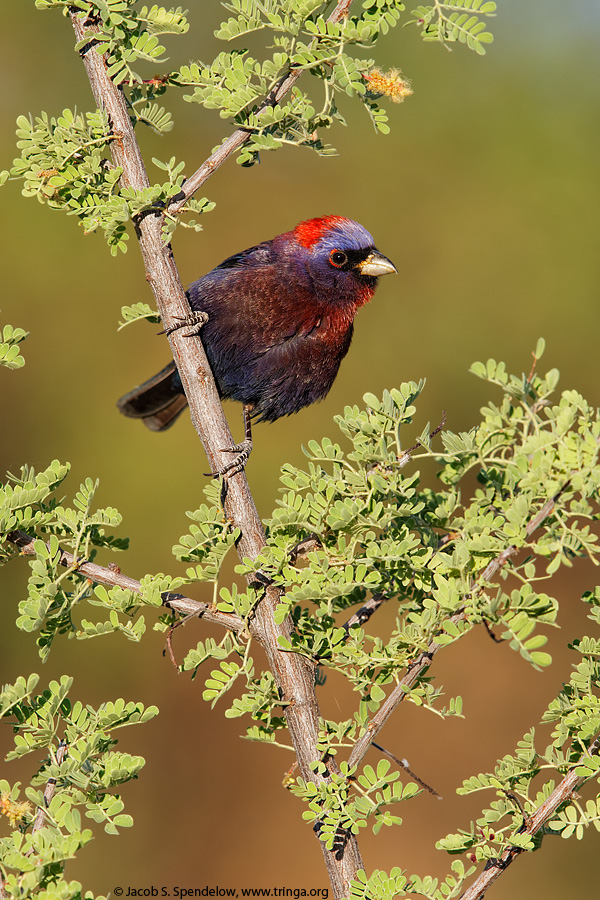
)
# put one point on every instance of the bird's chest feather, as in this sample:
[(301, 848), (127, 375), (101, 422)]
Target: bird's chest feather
[(252, 313), (275, 336)]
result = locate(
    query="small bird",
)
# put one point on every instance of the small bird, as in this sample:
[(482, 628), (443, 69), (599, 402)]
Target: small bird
[(280, 321)]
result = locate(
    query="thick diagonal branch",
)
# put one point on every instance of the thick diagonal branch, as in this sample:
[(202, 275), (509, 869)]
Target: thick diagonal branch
[(561, 794), (241, 136), (293, 674)]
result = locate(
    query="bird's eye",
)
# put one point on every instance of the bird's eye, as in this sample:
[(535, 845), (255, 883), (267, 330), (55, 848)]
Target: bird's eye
[(338, 258)]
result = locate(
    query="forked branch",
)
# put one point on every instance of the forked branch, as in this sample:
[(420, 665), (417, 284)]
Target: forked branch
[(241, 136)]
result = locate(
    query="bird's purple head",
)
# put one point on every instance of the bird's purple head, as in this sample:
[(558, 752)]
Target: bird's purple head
[(329, 228), (341, 258)]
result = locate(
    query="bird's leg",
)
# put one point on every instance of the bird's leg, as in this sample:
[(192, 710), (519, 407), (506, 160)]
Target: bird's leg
[(195, 320), (243, 450)]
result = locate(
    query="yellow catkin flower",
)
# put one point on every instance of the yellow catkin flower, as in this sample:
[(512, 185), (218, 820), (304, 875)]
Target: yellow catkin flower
[(13, 810), (391, 84)]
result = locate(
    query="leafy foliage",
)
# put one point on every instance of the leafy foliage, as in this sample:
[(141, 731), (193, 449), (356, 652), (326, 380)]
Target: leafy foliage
[(64, 164), (65, 160), (56, 589), (354, 529), (381, 886), (81, 769), (136, 313), (457, 21), (237, 84), (331, 806), (126, 34), (574, 746), (23, 499), (10, 353)]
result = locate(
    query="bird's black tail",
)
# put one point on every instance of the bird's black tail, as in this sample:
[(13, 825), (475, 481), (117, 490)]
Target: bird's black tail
[(158, 401)]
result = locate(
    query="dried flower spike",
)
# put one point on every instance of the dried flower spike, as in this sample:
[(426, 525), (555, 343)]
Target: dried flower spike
[(13, 810), (391, 84)]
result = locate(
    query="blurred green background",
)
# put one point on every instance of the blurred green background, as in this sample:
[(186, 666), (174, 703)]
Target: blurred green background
[(485, 196)]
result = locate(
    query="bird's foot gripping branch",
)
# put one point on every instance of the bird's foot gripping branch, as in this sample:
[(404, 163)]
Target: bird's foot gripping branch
[(355, 531)]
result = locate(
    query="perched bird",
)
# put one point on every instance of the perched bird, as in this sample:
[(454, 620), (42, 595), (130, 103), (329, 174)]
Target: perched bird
[(280, 321)]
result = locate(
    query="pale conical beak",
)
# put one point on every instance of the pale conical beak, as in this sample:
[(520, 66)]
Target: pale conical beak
[(376, 264)]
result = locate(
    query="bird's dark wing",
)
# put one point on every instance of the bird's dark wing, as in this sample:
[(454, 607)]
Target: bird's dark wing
[(245, 257), (251, 306)]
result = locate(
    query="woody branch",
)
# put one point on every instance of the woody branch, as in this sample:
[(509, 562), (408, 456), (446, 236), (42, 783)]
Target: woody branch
[(294, 675)]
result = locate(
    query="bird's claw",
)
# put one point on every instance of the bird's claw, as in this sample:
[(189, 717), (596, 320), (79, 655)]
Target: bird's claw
[(195, 320), (236, 465)]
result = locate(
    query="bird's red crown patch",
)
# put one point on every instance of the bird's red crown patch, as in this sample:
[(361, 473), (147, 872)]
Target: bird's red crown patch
[(308, 233)]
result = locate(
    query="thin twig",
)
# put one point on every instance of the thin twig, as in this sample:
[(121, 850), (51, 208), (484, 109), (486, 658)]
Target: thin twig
[(365, 612), (241, 136), (49, 790), (304, 547), (561, 794), (407, 453), (403, 763), (112, 576), (491, 634)]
